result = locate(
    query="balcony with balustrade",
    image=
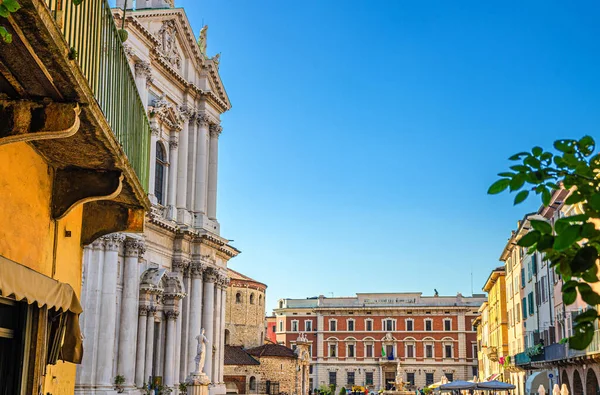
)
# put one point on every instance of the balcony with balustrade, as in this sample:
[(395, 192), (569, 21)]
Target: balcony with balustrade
[(67, 89)]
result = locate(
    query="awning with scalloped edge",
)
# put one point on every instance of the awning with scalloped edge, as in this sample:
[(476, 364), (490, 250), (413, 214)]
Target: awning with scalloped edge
[(27, 285)]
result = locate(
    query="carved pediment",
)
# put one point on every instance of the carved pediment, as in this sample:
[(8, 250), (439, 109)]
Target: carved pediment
[(168, 45)]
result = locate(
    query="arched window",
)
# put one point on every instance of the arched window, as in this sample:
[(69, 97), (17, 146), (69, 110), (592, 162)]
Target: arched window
[(238, 298), (159, 176), (260, 300), (252, 298), (252, 383), (227, 335)]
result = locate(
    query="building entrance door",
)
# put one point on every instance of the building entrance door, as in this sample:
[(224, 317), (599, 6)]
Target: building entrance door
[(390, 378)]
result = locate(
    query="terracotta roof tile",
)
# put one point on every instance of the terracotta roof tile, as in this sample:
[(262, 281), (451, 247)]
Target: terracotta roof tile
[(272, 350), (235, 355)]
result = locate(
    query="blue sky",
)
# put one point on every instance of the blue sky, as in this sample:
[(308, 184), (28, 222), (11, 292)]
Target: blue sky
[(364, 134)]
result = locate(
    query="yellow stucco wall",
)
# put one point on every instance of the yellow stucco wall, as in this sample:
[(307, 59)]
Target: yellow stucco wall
[(27, 234)]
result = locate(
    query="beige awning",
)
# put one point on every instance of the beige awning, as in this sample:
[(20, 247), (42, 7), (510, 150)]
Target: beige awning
[(25, 284)]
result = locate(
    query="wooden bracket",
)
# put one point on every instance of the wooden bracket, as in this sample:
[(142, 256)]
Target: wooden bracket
[(105, 216), (25, 120), (73, 186)]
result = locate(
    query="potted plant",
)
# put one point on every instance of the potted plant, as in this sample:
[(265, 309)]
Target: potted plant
[(183, 388), (119, 381)]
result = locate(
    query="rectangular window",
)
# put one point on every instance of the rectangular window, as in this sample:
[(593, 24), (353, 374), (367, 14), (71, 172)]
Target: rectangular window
[(410, 378), (333, 378), (428, 351), (475, 371), (449, 376), (280, 326), (308, 326), (428, 325), (310, 369), (332, 325), (523, 277), (524, 307), (274, 328), (351, 350), (447, 325), (448, 349), (369, 325), (350, 379), (369, 351), (543, 289), (530, 301), (428, 379), (389, 325), (369, 378), (409, 325), (410, 351), (538, 300), (294, 326), (534, 264), (351, 325), (333, 350)]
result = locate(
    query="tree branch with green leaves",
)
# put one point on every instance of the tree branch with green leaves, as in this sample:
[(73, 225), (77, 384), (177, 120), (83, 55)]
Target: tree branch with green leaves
[(572, 245)]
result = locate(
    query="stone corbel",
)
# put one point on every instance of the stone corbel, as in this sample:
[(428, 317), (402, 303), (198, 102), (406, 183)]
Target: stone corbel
[(73, 186), (23, 120), (105, 216)]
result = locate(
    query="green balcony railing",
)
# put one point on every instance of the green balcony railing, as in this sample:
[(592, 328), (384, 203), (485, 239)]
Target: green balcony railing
[(91, 33)]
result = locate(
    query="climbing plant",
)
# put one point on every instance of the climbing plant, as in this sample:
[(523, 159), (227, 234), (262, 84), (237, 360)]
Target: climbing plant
[(572, 244)]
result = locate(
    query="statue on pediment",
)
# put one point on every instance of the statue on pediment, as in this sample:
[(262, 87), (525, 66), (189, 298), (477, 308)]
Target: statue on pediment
[(202, 40)]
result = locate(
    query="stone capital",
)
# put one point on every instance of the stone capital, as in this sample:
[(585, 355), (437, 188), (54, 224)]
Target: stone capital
[(180, 265), (210, 275), (171, 314), (215, 130), (134, 247), (185, 112), (174, 142), (99, 244), (144, 310), (197, 269), (203, 120), (114, 241), (142, 69), (154, 130)]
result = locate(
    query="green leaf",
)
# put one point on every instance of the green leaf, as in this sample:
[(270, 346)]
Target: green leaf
[(584, 259), (587, 316), (558, 161), (543, 226), (569, 296), (521, 196), (574, 198), (546, 197), (567, 237), (586, 145), (498, 186), (537, 151), (533, 162), (517, 182), (589, 231), (591, 276), (11, 5), (529, 239), (594, 202), (4, 12), (520, 168), (546, 242), (564, 269), (564, 146), (507, 174), (518, 156), (588, 295), (5, 35), (583, 333)]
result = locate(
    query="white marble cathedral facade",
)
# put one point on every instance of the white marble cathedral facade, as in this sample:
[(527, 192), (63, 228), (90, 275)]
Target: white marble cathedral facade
[(146, 297)]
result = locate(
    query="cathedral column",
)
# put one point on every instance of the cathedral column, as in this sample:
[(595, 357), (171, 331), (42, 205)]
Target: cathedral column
[(185, 325), (191, 163), (108, 311), (217, 331), (173, 165), (210, 276), (182, 165), (222, 333), (169, 370), (154, 132), (149, 355), (181, 267), (140, 359), (95, 266), (213, 161), (202, 140), (196, 273), (134, 248), (143, 78)]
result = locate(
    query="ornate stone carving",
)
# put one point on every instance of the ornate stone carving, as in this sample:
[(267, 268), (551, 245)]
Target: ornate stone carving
[(215, 130), (210, 275), (154, 130), (134, 247), (99, 244), (142, 69), (172, 314), (114, 241), (167, 46), (197, 269), (203, 120), (180, 265), (174, 142), (128, 50), (185, 112), (216, 60), (144, 310)]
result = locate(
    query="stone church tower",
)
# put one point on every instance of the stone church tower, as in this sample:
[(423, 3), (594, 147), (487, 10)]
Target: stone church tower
[(146, 297)]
